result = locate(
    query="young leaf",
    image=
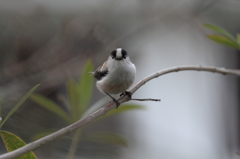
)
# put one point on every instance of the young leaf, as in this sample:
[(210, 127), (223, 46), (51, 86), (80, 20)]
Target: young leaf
[(220, 30), (85, 86), (79, 93), (74, 99), (64, 100), (223, 40), (121, 109), (13, 142), (238, 39), (18, 105), (106, 137), (51, 106), (0, 110)]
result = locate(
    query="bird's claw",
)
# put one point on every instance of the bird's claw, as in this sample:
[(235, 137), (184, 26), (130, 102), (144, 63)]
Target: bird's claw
[(116, 102), (127, 93)]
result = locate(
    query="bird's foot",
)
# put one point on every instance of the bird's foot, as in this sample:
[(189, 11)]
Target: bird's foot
[(127, 93), (116, 102)]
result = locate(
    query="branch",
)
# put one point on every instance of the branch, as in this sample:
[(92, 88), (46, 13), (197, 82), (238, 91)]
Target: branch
[(185, 68), (100, 112), (148, 99)]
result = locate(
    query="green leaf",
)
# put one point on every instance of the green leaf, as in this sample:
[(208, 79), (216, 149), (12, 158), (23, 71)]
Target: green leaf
[(220, 30), (74, 99), (13, 142), (51, 106), (85, 86), (79, 94), (64, 100), (238, 39), (106, 137), (121, 109), (223, 40), (18, 105), (0, 110)]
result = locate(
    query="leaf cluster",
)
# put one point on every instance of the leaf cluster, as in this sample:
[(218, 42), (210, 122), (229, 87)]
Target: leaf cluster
[(223, 37), (77, 101), (11, 141)]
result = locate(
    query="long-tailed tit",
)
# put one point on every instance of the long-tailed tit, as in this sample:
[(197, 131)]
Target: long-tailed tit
[(116, 75)]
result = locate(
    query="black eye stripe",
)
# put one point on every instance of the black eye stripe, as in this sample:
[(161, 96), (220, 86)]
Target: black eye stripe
[(113, 53), (124, 53)]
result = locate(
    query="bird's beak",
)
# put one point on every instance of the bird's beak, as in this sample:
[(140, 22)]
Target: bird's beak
[(119, 58)]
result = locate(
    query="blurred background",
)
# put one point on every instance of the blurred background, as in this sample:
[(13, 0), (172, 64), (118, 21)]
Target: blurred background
[(47, 42)]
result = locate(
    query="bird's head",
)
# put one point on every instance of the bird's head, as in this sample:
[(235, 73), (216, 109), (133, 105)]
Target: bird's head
[(119, 54)]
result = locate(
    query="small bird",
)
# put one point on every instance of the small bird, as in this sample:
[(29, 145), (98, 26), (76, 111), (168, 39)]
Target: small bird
[(116, 75)]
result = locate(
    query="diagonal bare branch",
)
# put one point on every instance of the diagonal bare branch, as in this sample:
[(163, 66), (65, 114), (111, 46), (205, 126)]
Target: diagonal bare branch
[(100, 112)]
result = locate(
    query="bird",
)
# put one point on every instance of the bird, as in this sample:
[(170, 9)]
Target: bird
[(116, 74)]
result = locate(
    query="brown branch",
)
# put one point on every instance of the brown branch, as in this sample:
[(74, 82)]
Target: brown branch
[(100, 112)]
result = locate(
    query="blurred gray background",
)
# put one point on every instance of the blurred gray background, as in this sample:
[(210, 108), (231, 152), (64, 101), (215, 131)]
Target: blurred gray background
[(47, 42)]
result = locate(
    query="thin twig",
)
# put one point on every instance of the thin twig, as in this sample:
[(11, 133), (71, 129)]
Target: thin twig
[(148, 99), (100, 112)]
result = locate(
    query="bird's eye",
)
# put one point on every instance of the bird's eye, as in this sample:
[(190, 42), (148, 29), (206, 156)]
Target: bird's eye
[(113, 54), (124, 53)]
